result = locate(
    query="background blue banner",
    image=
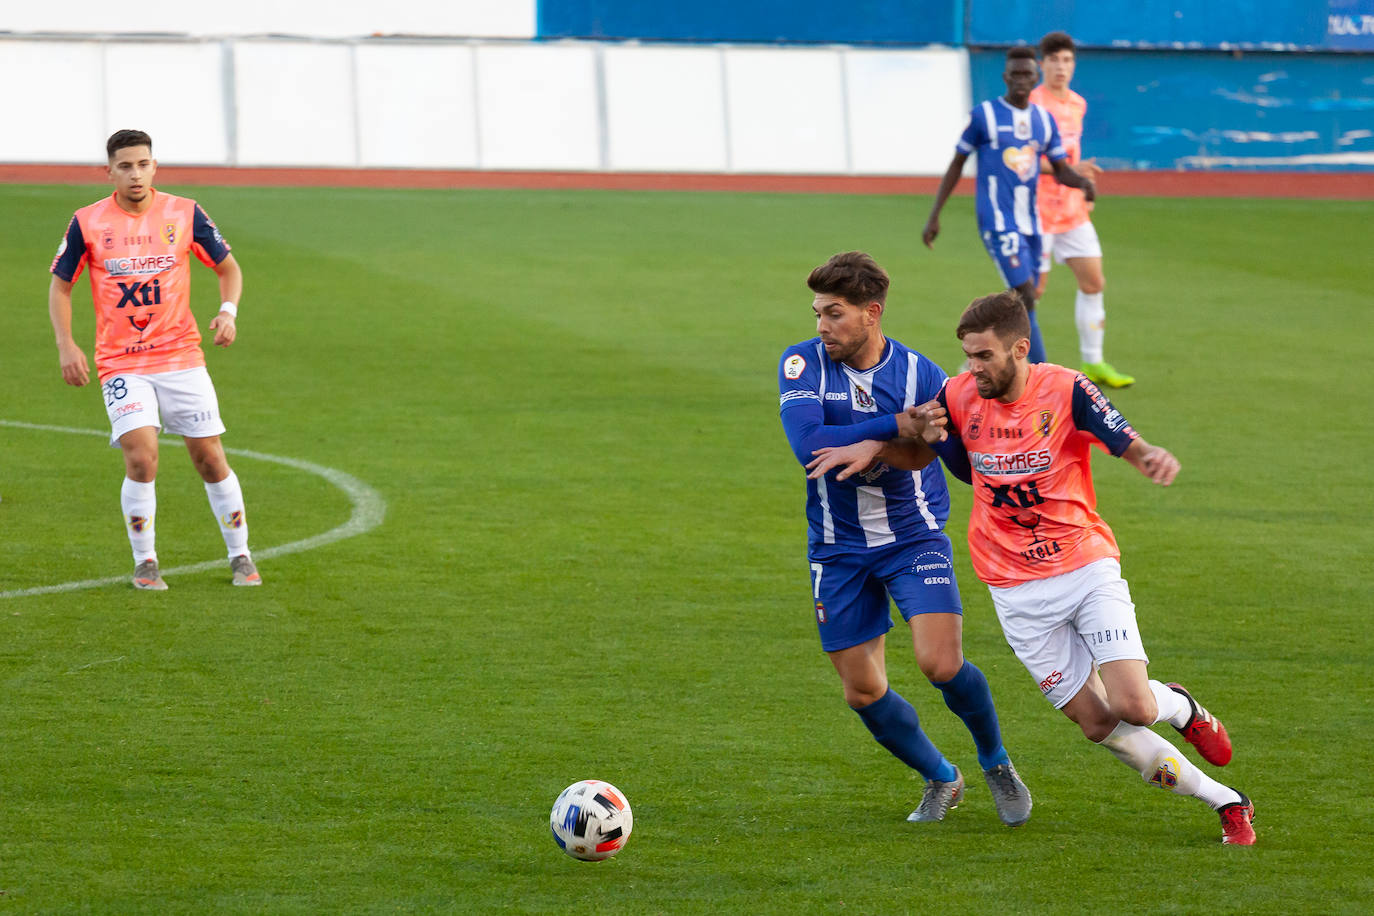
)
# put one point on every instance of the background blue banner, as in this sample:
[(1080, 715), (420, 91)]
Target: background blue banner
[(1130, 23), (1194, 110), (1350, 25), (841, 21), (1181, 24)]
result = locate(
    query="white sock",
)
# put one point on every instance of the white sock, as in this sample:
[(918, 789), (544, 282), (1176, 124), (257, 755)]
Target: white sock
[(1159, 763), (226, 499), (139, 503), (1174, 707), (1091, 317)]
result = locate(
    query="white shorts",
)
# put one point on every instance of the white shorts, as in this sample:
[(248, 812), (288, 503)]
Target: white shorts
[(184, 400), (1079, 242), (1062, 627)]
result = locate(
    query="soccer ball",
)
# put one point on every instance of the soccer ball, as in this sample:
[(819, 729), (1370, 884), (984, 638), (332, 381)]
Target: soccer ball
[(591, 820)]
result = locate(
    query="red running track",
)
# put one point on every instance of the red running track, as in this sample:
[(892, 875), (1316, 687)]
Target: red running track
[(1320, 185)]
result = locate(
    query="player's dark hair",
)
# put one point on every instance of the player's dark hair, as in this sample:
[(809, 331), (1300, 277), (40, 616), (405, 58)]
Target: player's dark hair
[(1002, 313), (123, 139), (1054, 42), (1020, 52), (853, 276)]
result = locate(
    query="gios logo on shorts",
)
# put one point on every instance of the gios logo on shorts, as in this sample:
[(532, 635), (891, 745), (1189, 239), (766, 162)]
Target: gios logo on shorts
[(933, 568)]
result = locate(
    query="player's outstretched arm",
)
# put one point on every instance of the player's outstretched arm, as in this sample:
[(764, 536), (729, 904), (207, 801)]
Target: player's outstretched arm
[(947, 183), (225, 324), (1065, 175), (1154, 462), (75, 370), (902, 454), (1089, 168)]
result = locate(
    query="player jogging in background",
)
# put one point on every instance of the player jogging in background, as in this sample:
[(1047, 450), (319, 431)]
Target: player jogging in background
[(1069, 235), (880, 536), (1009, 135), (137, 244), (1050, 561)]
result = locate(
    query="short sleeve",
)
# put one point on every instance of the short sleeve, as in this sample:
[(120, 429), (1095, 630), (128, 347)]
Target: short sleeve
[(207, 243), (71, 253), (974, 135), (1094, 414)]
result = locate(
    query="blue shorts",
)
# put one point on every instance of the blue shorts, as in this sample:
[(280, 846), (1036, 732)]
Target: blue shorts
[(1017, 255), (851, 589)]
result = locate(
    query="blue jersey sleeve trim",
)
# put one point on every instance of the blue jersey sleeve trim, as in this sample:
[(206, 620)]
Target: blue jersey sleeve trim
[(68, 262), (207, 236), (1095, 415)]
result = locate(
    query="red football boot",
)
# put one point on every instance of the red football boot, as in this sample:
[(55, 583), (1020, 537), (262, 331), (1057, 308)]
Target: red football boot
[(1235, 822), (1205, 732)]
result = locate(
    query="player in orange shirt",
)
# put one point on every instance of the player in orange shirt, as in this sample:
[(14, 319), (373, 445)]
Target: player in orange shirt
[(1069, 235), (1049, 560), (137, 244)]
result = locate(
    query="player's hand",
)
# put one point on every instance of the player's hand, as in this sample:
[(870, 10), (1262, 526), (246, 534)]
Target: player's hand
[(75, 370), (1089, 190), (1159, 465), (923, 421), (1089, 169), (225, 329), (931, 230), (853, 458)]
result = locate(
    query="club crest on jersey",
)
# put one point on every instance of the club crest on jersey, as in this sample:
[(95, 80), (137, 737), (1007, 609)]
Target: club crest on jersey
[(975, 426), (107, 238), (793, 366), (862, 399), (1046, 422), (169, 233)]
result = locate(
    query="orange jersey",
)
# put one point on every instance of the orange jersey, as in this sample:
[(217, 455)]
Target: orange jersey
[(1061, 207), (140, 267), (1034, 508)]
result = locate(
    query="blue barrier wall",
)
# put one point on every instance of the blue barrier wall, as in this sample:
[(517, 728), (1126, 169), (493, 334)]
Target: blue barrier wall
[(832, 21), (1188, 24), (1195, 110), (1150, 108), (1130, 23)]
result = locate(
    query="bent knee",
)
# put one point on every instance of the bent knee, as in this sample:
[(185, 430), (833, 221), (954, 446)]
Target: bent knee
[(1136, 711), (859, 697), (142, 468), (938, 671)]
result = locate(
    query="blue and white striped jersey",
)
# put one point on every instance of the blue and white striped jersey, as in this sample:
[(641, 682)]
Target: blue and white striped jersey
[(823, 402), (1009, 142)]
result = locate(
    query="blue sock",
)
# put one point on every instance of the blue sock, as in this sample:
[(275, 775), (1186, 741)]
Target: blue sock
[(893, 721), (1037, 342), (968, 697)]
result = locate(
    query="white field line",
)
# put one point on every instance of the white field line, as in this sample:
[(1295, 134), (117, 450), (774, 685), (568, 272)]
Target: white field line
[(369, 509)]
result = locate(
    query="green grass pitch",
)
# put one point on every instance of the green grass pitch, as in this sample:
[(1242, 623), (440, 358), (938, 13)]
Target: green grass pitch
[(592, 565)]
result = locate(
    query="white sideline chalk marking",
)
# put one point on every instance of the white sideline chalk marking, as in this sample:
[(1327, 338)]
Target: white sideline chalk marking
[(369, 509)]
